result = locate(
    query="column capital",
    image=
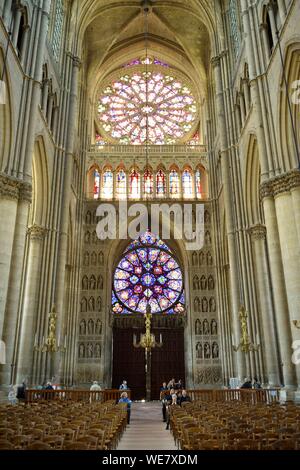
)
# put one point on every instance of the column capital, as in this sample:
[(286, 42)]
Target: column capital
[(280, 184), (9, 187), (257, 232), (36, 232), (25, 193), (215, 61)]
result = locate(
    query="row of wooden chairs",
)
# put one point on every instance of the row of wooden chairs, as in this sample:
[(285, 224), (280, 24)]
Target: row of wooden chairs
[(59, 426), (235, 426)]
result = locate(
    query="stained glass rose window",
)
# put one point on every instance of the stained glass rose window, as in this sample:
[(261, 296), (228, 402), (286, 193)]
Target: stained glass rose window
[(152, 103), (148, 273)]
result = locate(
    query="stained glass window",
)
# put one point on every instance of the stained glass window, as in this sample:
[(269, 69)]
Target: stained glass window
[(148, 273), (108, 185), (187, 184), (160, 184), (198, 184), (96, 184), (144, 60), (234, 27), (135, 190), (148, 183), (174, 184), (57, 29), (143, 106), (121, 185)]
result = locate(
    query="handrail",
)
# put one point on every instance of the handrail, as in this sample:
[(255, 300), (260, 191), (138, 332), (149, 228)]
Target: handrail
[(253, 396), (33, 395)]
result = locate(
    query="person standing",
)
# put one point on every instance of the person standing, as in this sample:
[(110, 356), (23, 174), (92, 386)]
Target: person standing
[(164, 391), (124, 399), (123, 385)]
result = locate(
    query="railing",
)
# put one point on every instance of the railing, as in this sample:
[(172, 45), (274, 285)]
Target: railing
[(33, 395), (149, 149), (244, 395)]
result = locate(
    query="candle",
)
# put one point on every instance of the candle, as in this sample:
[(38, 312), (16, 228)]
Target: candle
[(160, 338)]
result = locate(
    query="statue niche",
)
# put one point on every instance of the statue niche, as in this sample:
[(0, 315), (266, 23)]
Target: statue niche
[(198, 327), (91, 326), (199, 351), (82, 327)]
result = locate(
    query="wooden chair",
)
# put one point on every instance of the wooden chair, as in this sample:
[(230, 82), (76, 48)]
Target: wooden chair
[(39, 445)]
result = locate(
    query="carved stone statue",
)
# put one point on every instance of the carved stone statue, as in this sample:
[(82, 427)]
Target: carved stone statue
[(205, 327), (204, 304), (199, 351), (91, 326), (81, 352), (214, 327), (82, 327), (215, 350), (203, 282), (198, 327), (92, 282), (98, 329), (206, 350), (97, 350), (85, 283)]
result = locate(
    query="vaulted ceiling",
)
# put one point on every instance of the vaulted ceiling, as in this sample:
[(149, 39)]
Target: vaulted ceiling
[(180, 32)]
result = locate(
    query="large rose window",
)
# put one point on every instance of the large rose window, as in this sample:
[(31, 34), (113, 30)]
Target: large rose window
[(142, 104), (148, 273)]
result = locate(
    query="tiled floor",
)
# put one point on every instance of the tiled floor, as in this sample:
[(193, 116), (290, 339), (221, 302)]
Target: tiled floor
[(146, 431)]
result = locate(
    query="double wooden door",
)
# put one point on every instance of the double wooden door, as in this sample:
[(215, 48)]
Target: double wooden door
[(129, 362)]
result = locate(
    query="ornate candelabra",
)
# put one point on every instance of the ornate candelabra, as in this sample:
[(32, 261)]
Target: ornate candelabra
[(148, 342), (51, 346), (245, 344)]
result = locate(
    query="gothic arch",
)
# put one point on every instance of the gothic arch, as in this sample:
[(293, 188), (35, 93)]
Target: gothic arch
[(40, 185), (287, 141), (6, 119), (252, 184)]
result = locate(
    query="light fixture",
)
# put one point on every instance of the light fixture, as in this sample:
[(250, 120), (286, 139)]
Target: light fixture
[(245, 344), (51, 345)]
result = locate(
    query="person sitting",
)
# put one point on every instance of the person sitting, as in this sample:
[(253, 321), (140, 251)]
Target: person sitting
[(171, 384), (124, 399), (123, 385), (21, 392), (95, 387), (247, 383), (12, 396), (184, 398), (179, 385), (256, 383)]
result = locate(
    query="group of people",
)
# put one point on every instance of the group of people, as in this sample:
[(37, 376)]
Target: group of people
[(248, 383), (172, 394)]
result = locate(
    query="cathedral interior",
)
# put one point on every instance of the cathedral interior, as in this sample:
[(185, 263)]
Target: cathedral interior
[(122, 104)]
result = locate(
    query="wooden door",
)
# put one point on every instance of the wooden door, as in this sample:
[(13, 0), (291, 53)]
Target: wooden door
[(168, 361), (128, 362)]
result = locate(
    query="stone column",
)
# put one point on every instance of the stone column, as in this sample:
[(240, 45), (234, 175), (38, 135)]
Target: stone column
[(266, 46), (246, 95), (282, 11), (14, 302), (30, 307), (49, 109), (7, 13), (154, 185), (225, 165), (16, 26), (279, 292), (290, 251), (9, 193), (258, 237), (238, 118), (72, 120), (295, 192), (243, 110), (273, 23), (45, 96), (167, 174)]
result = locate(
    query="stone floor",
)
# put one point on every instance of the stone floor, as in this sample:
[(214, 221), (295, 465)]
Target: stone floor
[(146, 431)]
